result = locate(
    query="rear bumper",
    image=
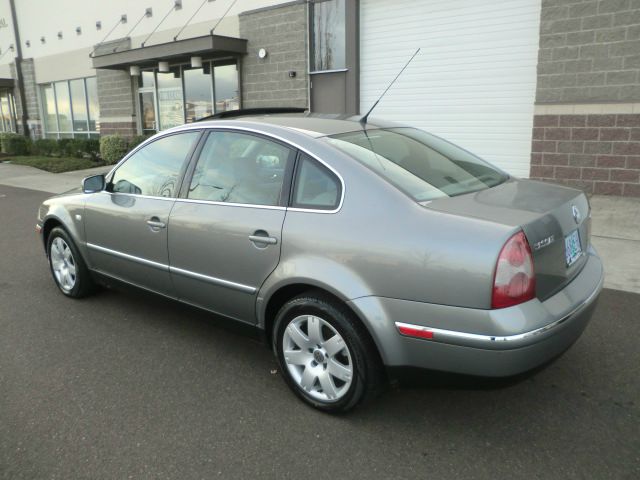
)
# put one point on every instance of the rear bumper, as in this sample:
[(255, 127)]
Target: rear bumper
[(493, 343)]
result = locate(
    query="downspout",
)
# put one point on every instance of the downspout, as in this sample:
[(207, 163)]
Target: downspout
[(20, 78)]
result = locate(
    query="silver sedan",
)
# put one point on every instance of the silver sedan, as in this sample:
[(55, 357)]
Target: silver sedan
[(356, 249)]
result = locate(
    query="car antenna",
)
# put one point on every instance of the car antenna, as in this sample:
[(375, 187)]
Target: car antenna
[(363, 120)]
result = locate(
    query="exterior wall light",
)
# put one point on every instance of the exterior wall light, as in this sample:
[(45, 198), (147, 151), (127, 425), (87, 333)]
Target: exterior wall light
[(134, 70), (262, 53), (78, 30), (60, 35), (163, 67), (28, 43), (43, 40), (196, 62), (98, 25)]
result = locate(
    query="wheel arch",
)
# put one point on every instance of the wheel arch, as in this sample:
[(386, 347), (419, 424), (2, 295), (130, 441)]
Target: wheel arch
[(284, 293)]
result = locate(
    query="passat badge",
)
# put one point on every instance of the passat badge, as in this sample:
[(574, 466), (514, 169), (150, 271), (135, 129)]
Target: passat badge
[(576, 213)]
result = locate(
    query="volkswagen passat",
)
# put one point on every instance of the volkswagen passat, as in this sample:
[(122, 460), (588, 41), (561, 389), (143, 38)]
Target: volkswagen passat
[(353, 247)]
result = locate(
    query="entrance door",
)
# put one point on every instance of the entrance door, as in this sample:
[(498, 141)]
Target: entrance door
[(148, 113)]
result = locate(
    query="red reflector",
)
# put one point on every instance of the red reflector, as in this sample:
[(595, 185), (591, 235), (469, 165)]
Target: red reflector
[(415, 332)]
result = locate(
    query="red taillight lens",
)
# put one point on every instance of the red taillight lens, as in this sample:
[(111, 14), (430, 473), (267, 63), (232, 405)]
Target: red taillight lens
[(514, 280)]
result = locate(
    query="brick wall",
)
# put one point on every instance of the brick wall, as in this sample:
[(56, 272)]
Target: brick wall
[(282, 31), (589, 51), (597, 153), (587, 125)]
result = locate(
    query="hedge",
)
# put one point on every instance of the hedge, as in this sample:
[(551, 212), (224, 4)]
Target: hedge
[(14, 144)]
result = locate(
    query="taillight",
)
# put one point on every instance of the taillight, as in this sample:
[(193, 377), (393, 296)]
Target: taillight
[(514, 281)]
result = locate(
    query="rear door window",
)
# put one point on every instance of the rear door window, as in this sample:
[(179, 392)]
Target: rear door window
[(241, 168)]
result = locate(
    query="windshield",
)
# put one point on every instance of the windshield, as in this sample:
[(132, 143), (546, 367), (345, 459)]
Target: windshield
[(422, 165)]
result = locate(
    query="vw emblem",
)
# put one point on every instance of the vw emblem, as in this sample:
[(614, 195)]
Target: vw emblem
[(576, 213)]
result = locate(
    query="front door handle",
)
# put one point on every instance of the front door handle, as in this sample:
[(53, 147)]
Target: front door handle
[(155, 223), (263, 238)]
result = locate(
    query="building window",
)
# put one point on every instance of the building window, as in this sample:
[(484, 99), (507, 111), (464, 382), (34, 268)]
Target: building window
[(187, 94), (7, 112), (70, 108), (328, 39)]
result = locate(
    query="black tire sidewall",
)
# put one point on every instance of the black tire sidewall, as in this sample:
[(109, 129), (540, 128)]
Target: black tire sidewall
[(341, 321), (79, 288)]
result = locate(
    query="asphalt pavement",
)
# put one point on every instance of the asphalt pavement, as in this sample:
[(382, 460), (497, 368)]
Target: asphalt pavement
[(128, 385)]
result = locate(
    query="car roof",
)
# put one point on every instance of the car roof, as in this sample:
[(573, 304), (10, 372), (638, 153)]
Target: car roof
[(312, 124)]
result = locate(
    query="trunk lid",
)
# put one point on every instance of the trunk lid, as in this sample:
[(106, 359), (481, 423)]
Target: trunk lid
[(547, 214)]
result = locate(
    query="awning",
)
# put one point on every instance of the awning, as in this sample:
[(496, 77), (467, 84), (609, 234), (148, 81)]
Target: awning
[(209, 46), (6, 82)]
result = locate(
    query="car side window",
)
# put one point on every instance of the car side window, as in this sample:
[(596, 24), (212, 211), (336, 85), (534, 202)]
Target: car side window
[(240, 168), (316, 187), (154, 170)]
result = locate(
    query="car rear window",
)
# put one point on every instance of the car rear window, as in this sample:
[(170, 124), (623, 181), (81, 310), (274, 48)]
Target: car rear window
[(424, 166)]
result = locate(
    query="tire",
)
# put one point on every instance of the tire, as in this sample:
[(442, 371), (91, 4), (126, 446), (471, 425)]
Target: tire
[(330, 362), (67, 266)]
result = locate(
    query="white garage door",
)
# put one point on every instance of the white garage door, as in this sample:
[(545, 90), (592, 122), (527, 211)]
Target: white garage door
[(472, 83)]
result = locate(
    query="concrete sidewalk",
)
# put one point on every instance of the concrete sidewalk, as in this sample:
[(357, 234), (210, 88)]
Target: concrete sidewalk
[(22, 176), (615, 220)]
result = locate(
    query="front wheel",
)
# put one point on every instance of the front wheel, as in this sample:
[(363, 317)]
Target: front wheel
[(326, 356), (67, 266)]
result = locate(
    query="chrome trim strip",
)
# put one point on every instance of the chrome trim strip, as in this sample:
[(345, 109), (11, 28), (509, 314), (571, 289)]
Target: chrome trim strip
[(167, 199), (187, 273), (229, 204), (126, 256), (213, 280), (492, 341)]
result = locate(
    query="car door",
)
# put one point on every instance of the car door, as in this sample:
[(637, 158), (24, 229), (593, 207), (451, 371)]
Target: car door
[(225, 232), (126, 225)]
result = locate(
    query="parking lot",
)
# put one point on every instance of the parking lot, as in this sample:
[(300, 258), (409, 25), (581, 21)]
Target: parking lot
[(129, 385)]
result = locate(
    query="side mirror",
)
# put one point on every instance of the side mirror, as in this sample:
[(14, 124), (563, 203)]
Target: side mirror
[(93, 184)]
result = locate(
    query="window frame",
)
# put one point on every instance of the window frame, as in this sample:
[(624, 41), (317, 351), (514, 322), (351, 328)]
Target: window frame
[(181, 173), (296, 178), (57, 133), (286, 180)]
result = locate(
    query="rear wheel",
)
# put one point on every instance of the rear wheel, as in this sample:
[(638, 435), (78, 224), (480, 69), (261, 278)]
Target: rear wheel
[(67, 266), (326, 356)]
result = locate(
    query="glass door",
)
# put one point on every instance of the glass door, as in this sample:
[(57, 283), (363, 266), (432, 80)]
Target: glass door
[(148, 113)]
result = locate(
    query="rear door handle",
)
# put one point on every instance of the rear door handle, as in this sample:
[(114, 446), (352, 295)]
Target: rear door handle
[(154, 222), (263, 239)]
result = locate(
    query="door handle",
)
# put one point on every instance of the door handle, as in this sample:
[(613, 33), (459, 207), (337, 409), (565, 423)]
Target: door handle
[(154, 222), (263, 239)]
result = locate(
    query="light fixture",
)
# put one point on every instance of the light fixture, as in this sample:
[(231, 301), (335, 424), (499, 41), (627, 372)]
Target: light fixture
[(177, 4), (163, 67), (98, 25), (134, 70), (60, 35), (148, 12), (196, 62), (43, 40), (28, 43), (123, 18), (262, 53), (11, 47), (78, 30)]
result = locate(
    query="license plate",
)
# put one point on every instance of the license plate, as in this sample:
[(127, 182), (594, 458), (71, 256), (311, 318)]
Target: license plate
[(572, 247)]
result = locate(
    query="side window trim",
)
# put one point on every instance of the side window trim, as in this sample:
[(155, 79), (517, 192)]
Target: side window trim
[(296, 177), (286, 181), (181, 174)]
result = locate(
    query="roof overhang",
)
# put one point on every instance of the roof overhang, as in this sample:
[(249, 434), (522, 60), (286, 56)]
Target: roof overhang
[(209, 46), (6, 83)]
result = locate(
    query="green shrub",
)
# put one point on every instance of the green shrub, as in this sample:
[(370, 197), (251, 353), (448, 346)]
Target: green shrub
[(45, 146), (14, 144), (113, 148), (92, 148)]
